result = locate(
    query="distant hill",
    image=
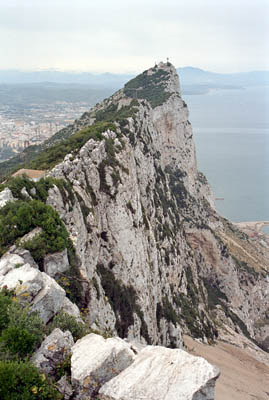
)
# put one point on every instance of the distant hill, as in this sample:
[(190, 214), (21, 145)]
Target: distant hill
[(106, 80), (27, 93), (197, 81), (188, 76)]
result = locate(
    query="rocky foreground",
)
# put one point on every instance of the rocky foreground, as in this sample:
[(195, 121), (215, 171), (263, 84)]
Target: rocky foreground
[(113, 369)]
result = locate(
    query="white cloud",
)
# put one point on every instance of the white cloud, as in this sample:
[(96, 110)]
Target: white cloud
[(131, 35)]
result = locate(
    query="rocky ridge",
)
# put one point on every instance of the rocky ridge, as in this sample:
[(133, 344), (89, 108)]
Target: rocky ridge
[(153, 258), (143, 223)]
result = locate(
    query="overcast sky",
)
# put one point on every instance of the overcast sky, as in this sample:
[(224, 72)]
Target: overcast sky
[(130, 35)]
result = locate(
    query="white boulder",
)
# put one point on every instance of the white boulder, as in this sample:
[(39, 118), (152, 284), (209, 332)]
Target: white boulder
[(5, 196), (8, 262), (96, 360), (32, 286), (159, 373)]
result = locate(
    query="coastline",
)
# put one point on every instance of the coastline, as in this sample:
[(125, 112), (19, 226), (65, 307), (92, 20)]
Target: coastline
[(254, 230)]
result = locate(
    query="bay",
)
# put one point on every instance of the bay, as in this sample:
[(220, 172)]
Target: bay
[(231, 133)]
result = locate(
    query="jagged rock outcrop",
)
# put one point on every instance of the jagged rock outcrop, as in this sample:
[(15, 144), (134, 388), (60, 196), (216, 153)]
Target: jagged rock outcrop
[(159, 373), (158, 258), (53, 351), (25, 254)]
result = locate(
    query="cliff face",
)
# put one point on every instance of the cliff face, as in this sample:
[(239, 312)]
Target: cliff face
[(155, 257)]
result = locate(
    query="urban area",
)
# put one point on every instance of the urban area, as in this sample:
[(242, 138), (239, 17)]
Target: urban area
[(21, 127)]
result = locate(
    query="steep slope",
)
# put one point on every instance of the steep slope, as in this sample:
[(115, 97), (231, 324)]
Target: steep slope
[(150, 242), (155, 258)]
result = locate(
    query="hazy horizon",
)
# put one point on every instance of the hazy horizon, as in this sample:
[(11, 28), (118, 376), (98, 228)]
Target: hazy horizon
[(78, 71)]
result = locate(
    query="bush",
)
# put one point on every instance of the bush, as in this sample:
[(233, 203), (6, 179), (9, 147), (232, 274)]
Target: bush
[(18, 341), (5, 302), (20, 217), (67, 322), (71, 280), (23, 332), (23, 381)]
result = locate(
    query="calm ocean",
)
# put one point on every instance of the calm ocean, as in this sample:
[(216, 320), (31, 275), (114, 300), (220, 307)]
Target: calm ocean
[(231, 133)]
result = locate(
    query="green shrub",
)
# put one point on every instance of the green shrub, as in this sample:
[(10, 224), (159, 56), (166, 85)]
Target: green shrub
[(18, 341), (112, 114), (64, 368), (23, 381), (169, 312), (67, 322), (5, 302), (37, 190), (20, 217), (23, 333)]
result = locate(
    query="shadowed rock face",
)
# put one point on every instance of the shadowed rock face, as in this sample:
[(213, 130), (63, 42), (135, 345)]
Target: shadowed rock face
[(155, 258), (144, 226)]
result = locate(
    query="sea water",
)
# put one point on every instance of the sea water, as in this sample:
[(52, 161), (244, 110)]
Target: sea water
[(236, 163), (231, 133)]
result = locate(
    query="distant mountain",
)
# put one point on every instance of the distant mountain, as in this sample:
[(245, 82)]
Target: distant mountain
[(193, 80), (198, 81), (106, 80)]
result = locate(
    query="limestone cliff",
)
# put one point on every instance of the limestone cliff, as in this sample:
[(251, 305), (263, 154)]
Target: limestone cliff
[(157, 258)]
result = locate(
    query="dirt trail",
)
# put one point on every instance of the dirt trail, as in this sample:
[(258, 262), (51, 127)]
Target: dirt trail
[(242, 377), (229, 239)]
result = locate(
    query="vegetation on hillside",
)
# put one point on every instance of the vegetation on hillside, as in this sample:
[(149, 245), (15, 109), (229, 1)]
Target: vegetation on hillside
[(149, 87), (112, 114), (21, 333), (46, 158), (20, 217)]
